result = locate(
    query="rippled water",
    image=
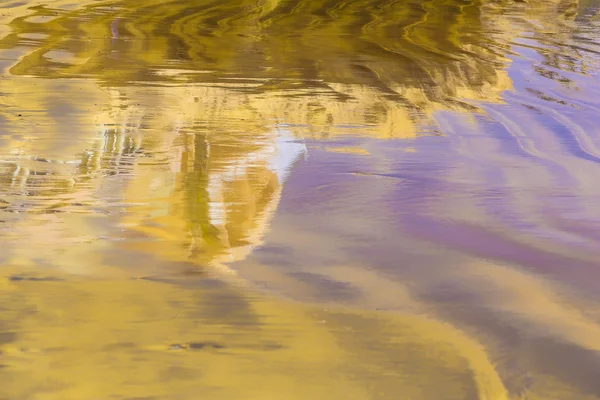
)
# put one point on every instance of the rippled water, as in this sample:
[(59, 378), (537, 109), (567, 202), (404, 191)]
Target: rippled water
[(292, 199)]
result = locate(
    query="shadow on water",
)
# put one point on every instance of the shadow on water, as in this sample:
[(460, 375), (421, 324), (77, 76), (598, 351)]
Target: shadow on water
[(436, 238)]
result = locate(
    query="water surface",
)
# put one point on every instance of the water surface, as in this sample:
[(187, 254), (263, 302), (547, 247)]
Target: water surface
[(291, 199)]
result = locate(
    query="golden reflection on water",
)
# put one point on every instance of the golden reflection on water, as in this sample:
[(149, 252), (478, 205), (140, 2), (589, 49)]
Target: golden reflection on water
[(144, 339), (144, 150)]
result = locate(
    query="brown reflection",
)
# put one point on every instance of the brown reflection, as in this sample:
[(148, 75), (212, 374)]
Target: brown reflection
[(383, 68)]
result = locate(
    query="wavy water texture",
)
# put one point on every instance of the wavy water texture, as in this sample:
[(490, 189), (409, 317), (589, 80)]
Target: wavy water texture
[(289, 199)]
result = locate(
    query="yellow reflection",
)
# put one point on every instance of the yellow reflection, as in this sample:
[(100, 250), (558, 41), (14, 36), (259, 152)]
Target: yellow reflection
[(196, 102), (135, 339), (211, 201), (163, 133), (300, 63)]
